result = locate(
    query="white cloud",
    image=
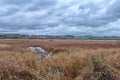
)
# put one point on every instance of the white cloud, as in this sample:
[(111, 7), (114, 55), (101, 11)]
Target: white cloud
[(83, 17)]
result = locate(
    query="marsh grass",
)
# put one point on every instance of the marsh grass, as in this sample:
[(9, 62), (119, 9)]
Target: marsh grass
[(66, 64)]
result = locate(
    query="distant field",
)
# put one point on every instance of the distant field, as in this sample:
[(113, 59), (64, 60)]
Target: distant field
[(71, 60), (53, 43)]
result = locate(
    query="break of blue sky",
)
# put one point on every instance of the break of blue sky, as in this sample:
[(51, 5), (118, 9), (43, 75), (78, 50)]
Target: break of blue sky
[(60, 17)]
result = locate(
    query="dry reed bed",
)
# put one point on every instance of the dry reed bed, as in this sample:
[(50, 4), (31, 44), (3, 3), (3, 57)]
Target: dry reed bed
[(68, 63), (83, 64)]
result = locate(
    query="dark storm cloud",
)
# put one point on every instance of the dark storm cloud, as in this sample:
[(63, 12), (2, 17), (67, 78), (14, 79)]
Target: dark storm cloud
[(94, 17)]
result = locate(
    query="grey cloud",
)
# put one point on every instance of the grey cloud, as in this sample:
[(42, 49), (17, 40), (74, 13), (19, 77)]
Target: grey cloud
[(90, 15), (63, 17), (114, 11), (10, 10), (14, 2)]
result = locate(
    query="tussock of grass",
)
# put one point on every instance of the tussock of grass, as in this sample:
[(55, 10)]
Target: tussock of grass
[(72, 60), (80, 64)]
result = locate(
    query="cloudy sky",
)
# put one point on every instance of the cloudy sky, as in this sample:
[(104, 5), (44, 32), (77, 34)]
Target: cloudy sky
[(60, 17)]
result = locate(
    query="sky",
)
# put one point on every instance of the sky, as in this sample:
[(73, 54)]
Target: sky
[(60, 17)]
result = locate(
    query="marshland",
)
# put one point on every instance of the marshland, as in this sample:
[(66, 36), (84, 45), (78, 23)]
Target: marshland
[(69, 60)]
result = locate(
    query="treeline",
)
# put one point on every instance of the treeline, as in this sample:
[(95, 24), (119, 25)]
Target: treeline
[(98, 37), (23, 36)]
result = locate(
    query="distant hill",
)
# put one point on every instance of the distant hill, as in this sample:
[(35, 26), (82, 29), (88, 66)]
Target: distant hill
[(23, 36), (98, 37)]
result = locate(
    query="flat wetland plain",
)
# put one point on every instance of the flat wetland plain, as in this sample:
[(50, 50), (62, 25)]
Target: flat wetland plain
[(70, 60)]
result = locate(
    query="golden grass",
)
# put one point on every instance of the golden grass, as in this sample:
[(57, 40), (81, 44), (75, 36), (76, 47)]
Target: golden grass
[(73, 63)]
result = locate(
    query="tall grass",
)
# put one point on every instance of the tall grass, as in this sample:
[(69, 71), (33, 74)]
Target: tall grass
[(67, 63), (83, 64)]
